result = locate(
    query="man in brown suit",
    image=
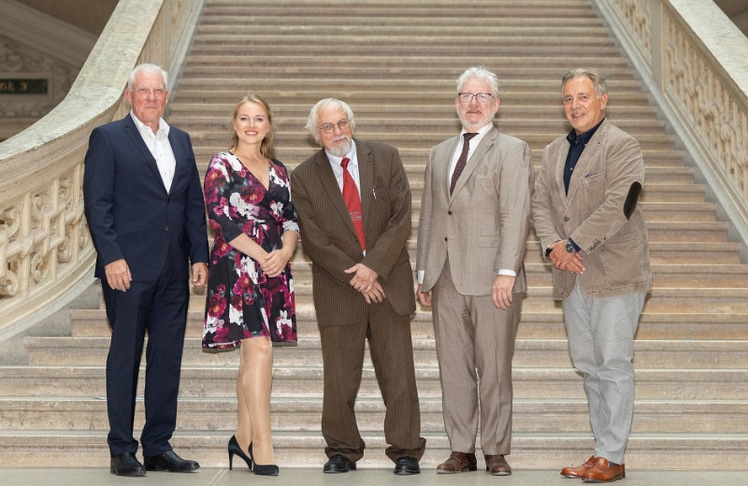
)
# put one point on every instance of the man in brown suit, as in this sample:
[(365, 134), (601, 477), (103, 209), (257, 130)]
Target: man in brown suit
[(586, 214), (472, 235), (363, 283)]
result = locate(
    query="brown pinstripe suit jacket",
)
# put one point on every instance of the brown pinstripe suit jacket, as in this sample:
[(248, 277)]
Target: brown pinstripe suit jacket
[(329, 239)]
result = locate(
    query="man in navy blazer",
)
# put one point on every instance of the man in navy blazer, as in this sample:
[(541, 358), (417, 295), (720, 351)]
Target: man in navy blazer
[(146, 214)]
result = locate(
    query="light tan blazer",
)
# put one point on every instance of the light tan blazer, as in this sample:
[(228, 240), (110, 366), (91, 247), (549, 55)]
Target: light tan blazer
[(610, 231), (483, 225)]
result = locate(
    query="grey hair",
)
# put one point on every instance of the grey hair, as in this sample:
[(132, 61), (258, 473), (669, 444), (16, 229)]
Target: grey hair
[(311, 122), (147, 67), (597, 78), (480, 73)]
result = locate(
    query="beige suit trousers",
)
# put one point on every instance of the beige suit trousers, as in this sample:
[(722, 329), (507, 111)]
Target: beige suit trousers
[(475, 346)]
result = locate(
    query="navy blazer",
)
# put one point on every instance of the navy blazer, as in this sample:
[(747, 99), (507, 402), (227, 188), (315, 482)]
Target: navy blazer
[(129, 212)]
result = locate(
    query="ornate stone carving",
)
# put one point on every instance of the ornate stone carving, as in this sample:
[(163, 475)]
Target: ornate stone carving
[(17, 60)]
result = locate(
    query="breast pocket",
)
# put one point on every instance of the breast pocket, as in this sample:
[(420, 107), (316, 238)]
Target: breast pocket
[(593, 188)]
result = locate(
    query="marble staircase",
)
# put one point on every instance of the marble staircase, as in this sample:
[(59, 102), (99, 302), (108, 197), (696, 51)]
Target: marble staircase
[(395, 62)]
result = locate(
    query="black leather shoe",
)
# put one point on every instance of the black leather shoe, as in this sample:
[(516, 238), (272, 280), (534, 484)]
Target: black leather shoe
[(169, 461), (406, 466), (339, 464), (126, 464)]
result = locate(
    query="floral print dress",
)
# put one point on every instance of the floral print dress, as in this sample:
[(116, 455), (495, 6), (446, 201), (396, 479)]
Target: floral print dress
[(242, 301)]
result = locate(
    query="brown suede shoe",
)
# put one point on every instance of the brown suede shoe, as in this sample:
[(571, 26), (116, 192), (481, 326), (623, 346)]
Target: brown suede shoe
[(604, 472), (578, 472), (497, 466), (458, 462)]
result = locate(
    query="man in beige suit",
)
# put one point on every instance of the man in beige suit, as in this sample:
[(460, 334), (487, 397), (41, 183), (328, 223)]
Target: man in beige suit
[(586, 214), (363, 283), (472, 235)]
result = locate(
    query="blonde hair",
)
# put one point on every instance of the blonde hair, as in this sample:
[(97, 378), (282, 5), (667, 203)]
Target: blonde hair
[(267, 147)]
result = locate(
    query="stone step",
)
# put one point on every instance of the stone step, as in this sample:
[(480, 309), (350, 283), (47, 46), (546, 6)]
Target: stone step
[(313, 93), (539, 299), (559, 417), (306, 382), (291, 156), (544, 323), (287, 109), (682, 275), (414, 124), (529, 353), (716, 452)]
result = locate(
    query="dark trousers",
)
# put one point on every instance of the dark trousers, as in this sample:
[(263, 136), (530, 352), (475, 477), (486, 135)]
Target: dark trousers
[(343, 348), (159, 308)]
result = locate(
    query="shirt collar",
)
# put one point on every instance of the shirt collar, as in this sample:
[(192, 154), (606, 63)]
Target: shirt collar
[(163, 127), (478, 133), (335, 160), (582, 138)]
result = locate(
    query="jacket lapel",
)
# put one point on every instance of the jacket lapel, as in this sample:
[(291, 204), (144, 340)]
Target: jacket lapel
[(330, 186), (366, 178), (137, 140), (589, 154), (485, 145)]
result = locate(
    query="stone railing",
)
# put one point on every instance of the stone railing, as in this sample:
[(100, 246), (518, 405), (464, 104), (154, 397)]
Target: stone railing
[(46, 254), (694, 60)]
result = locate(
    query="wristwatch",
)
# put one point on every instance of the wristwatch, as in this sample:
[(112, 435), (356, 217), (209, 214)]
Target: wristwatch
[(570, 247)]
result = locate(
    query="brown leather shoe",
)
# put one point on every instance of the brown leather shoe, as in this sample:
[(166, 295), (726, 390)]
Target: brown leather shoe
[(604, 472), (458, 462), (578, 472), (497, 466)]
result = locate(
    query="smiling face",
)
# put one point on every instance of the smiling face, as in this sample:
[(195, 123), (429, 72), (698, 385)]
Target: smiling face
[(582, 107), (251, 123), (148, 97), (475, 114)]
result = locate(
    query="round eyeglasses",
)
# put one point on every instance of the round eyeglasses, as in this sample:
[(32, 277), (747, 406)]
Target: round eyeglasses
[(329, 127)]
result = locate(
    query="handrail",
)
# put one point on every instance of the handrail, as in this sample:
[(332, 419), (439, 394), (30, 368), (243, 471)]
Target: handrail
[(46, 254), (693, 59)]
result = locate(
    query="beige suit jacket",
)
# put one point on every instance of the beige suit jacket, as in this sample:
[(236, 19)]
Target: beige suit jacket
[(329, 239), (610, 231), (483, 225)]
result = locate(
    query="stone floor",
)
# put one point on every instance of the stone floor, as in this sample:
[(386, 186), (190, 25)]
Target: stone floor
[(361, 477)]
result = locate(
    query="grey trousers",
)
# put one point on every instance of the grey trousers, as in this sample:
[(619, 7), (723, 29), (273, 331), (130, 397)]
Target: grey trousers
[(601, 344)]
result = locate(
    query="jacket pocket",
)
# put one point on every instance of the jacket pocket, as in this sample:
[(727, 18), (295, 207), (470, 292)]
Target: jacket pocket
[(623, 261)]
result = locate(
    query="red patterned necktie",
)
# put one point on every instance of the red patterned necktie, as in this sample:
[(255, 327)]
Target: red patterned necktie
[(353, 201), (461, 161)]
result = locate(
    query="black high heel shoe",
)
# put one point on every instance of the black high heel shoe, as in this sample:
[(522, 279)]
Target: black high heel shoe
[(235, 449), (264, 469)]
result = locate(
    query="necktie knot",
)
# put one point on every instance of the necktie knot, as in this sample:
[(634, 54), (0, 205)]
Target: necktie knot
[(344, 162)]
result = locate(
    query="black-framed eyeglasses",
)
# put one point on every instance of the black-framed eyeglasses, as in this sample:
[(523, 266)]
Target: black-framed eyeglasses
[(482, 98), (329, 127)]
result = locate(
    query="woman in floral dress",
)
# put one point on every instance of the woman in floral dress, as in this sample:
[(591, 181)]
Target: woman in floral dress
[(250, 302)]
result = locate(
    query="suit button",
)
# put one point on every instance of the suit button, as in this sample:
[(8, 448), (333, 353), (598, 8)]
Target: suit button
[(445, 238), (166, 228), (566, 219), (449, 213)]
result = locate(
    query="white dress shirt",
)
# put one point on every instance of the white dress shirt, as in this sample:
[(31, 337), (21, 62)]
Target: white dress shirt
[(159, 146)]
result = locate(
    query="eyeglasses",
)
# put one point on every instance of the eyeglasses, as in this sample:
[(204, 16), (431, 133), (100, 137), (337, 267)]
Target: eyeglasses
[(329, 127), (483, 98)]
